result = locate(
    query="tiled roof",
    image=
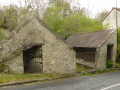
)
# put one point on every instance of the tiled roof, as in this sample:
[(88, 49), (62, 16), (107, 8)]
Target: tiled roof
[(90, 39)]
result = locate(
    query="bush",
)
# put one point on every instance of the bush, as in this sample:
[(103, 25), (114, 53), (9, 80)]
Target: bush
[(98, 72), (118, 47), (2, 35), (117, 65), (109, 64)]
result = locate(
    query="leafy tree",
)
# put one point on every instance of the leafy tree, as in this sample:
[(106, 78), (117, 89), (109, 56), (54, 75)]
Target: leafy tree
[(58, 15), (11, 16), (119, 36), (1, 18), (66, 22), (55, 16), (66, 7), (118, 47)]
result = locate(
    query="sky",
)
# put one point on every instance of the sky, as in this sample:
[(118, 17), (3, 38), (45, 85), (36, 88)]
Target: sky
[(94, 6)]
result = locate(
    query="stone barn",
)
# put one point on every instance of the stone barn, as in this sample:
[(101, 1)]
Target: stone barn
[(94, 49), (35, 48)]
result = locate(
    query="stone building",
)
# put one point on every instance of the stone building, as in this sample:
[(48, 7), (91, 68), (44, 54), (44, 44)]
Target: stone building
[(94, 49), (35, 48)]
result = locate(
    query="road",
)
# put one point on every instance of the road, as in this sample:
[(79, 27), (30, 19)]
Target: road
[(107, 81)]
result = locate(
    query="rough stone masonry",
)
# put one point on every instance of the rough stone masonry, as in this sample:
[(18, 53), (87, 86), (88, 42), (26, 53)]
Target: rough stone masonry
[(57, 55)]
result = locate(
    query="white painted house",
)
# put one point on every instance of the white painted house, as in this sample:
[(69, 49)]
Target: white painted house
[(111, 18)]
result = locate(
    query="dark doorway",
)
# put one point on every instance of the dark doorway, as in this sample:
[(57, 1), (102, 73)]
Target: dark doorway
[(32, 59), (109, 52)]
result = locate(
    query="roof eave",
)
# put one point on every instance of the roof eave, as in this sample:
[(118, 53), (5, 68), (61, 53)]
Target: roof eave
[(109, 13)]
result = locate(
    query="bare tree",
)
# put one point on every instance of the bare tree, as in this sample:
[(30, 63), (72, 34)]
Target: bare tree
[(101, 15)]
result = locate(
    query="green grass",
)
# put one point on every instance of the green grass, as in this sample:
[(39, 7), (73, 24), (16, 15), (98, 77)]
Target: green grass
[(2, 35), (80, 68), (101, 72), (7, 78), (10, 78)]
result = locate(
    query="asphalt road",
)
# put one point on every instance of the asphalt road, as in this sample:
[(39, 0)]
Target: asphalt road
[(107, 81)]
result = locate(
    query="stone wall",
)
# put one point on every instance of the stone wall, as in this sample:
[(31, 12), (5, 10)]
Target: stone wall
[(101, 53), (58, 56), (16, 64)]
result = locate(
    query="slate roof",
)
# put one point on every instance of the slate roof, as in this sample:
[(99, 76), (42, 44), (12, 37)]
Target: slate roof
[(90, 39)]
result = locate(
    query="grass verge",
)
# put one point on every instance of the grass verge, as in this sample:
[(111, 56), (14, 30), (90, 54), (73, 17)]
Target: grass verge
[(102, 71), (11, 78)]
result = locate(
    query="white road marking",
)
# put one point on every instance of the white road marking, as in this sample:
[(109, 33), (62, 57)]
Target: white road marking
[(111, 86)]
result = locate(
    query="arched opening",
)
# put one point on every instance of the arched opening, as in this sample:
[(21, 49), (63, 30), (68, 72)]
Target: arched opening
[(32, 58)]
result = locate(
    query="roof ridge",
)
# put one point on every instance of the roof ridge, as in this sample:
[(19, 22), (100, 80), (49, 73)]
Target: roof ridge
[(115, 8), (40, 22), (108, 36), (110, 12), (91, 32), (48, 28)]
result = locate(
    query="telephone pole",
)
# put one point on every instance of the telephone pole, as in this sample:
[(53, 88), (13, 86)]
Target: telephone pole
[(116, 21)]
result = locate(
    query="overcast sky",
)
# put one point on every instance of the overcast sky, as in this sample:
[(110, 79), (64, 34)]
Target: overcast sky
[(99, 5), (94, 6)]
